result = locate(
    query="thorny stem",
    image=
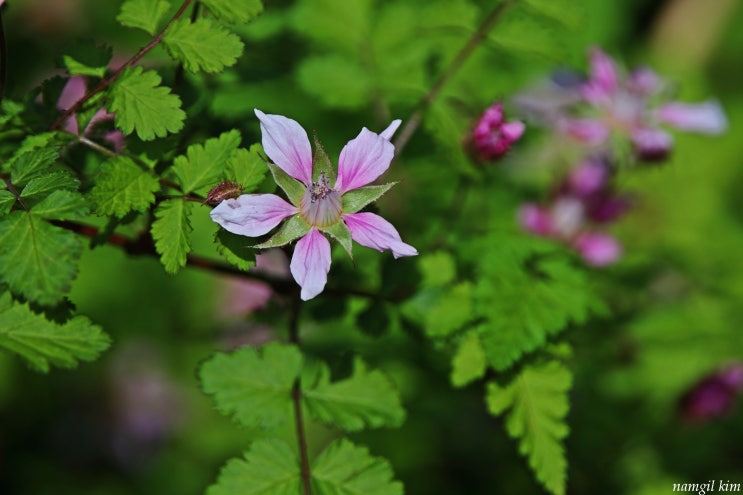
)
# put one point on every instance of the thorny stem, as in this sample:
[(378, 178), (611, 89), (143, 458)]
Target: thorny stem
[(297, 400), (415, 119), (110, 79), (3, 57)]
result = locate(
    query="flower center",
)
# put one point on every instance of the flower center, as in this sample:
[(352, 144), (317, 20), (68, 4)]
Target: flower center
[(321, 206)]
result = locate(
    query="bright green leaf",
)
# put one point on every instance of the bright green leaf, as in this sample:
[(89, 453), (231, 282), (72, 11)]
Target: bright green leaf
[(141, 104), (28, 164), (340, 26), (438, 269), (44, 343), (365, 399), (293, 228), (247, 168), (50, 182), (235, 249), (143, 14), (270, 467), (538, 403), (171, 231), (469, 362), (292, 187), (234, 10), (87, 59), (356, 199), (122, 187), (454, 309), (350, 88), (61, 205), (202, 45), (253, 386), (203, 165)]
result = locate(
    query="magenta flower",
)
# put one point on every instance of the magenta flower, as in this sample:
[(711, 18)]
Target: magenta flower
[(714, 395), (320, 202), (493, 136)]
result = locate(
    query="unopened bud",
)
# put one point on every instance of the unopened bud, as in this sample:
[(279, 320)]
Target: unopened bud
[(224, 190)]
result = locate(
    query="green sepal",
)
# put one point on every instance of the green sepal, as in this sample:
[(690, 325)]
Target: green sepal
[(292, 187), (356, 199), (294, 228), (321, 163), (339, 231)]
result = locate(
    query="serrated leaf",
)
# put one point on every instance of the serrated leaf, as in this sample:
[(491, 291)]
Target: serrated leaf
[(469, 362), (347, 469), (141, 104), (247, 168), (61, 205), (292, 229), (253, 386), (50, 182), (87, 59), (339, 231), (27, 164), (350, 88), (44, 343), (538, 403), (202, 45), (365, 399), (356, 199), (442, 310), (292, 187), (171, 231), (203, 165), (143, 14), (37, 259), (235, 249), (234, 10), (270, 467), (122, 187), (7, 200)]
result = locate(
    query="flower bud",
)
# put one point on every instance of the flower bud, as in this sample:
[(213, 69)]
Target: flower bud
[(493, 136), (224, 190)]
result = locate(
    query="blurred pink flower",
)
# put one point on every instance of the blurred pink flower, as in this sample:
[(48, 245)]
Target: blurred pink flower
[(320, 209), (714, 395), (493, 136)]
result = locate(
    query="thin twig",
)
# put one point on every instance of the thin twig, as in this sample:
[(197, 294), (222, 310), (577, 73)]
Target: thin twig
[(415, 119), (304, 461), (110, 79), (3, 58)]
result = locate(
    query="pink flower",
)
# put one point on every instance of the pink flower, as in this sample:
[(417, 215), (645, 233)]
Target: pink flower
[(320, 203), (493, 136), (714, 395)]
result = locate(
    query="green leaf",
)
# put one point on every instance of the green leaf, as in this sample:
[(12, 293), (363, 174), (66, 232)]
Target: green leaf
[(438, 269), (469, 362), (61, 205), (234, 10), (247, 168), (442, 310), (87, 59), (203, 165), (340, 26), (339, 231), (270, 467), (356, 199), (347, 469), (50, 182), (31, 163), (350, 88), (293, 228), (253, 386), (37, 259), (44, 343), (202, 45), (141, 104), (538, 400), (122, 187), (235, 249), (143, 14), (171, 231), (292, 187), (7, 200), (365, 399)]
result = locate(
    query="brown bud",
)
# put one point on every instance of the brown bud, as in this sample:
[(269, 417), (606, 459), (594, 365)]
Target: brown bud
[(224, 190)]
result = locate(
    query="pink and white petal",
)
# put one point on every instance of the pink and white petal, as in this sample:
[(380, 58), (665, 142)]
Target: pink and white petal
[(707, 117), (375, 232), (603, 76), (252, 215), (311, 263), (587, 178), (362, 160), (644, 81), (589, 131), (651, 144), (513, 130), (391, 129), (535, 219), (598, 249), (287, 145)]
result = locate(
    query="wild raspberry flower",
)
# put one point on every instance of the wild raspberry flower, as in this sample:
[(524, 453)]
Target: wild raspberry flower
[(320, 202), (714, 395), (493, 136)]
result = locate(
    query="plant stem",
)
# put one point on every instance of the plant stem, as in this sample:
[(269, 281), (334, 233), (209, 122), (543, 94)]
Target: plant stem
[(297, 399), (110, 79), (415, 119)]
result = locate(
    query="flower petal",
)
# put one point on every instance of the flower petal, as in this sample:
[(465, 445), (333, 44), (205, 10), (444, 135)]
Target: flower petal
[(707, 117), (589, 131), (311, 263), (651, 144), (362, 160), (603, 79), (535, 219), (375, 232), (252, 215), (390, 131), (287, 145), (598, 249)]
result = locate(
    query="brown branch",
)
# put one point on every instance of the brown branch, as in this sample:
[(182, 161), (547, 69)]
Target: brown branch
[(415, 119), (110, 79)]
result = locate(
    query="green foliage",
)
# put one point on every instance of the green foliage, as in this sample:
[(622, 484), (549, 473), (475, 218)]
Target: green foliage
[(87, 59), (339, 231), (293, 228), (344, 468), (235, 249), (247, 168), (141, 104), (143, 14), (45, 184), (350, 87), (234, 10), (44, 343), (122, 187), (61, 205), (469, 362), (202, 45), (171, 231), (293, 188), (203, 165), (538, 403), (356, 199), (365, 399)]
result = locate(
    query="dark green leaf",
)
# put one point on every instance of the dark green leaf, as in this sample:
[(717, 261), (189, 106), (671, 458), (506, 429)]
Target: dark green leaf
[(61, 205), (236, 249)]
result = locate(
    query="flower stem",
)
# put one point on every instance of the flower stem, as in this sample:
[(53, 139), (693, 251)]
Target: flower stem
[(304, 462), (110, 79), (415, 119)]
